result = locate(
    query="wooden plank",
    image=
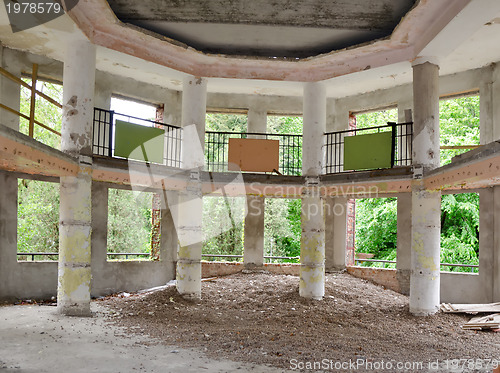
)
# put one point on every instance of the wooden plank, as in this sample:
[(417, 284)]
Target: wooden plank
[(253, 155), (26, 85), (28, 118), (483, 322), (470, 308)]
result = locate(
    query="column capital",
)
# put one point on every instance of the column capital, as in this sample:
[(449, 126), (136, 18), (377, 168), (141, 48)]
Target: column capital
[(419, 60)]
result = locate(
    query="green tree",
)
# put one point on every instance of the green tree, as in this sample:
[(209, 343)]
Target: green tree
[(45, 112), (223, 226), (129, 221), (37, 217), (38, 201), (459, 125), (376, 219)]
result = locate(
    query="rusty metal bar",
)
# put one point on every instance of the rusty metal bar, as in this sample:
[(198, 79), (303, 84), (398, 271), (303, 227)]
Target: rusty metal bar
[(26, 85), (459, 147), (34, 77), (28, 118)]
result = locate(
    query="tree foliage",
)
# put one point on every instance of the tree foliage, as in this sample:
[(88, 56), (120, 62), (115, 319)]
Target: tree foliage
[(129, 221), (376, 219)]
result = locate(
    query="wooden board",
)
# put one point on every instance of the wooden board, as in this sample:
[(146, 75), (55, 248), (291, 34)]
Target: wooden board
[(470, 308), (484, 322), (253, 155)]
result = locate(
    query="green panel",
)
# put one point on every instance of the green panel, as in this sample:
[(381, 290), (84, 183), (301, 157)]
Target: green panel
[(365, 152), (139, 142)]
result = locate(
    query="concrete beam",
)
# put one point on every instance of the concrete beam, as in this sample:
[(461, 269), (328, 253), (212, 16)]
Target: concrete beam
[(21, 153)]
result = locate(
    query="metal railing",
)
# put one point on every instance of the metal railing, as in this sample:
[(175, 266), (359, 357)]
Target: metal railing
[(473, 266), (241, 256), (56, 255), (217, 150), (402, 134), (104, 131)]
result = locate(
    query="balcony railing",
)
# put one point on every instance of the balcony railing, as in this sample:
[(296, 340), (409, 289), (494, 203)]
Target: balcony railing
[(217, 150), (217, 144), (402, 134), (104, 135)]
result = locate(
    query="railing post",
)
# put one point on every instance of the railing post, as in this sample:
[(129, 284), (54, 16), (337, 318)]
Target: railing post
[(393, 150), (110, 135)]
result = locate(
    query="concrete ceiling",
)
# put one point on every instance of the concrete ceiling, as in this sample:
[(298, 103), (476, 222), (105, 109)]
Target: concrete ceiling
[(269, 28), (461, 38)]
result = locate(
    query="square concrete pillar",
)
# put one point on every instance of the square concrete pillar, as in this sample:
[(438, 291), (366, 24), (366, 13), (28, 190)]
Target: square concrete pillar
[(10, 91), (99, 238), (404, 228), (8, 235), (253, 251), (335, 233), (253, 254)]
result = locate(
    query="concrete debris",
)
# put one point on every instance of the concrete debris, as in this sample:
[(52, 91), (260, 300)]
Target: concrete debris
[(158, 288)]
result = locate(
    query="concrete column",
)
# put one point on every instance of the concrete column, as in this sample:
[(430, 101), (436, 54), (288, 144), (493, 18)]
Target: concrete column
[(73, 293), (403, 258), (169, 242), (495, 254), (314, 129), (495, 94), (312, 242), (486, 107), (173, 108), (10, 96), (10, 91), (8, 234), (99, 237), (335, 207), (253, 251), (102, 95), (426, 204), (190, 207), (335, 233)]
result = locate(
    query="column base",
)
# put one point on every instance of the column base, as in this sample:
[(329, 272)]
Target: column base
[(403, 278), (189, 279), (312, 281), (335, 268), (74, 309)]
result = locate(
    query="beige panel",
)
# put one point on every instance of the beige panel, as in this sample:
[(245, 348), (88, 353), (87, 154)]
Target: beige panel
[(253, 155)]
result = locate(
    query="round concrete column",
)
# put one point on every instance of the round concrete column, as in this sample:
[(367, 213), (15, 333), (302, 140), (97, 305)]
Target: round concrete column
[(190, 208), (314, 128), (73, 293), (426, 204), (312, 245), (312, 242), (194, 108)]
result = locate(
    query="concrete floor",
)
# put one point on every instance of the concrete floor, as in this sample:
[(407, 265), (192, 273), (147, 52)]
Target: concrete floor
[(36, 339)]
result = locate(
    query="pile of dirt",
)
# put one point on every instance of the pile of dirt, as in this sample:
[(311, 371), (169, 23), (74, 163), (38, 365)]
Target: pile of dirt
[(260, 318)]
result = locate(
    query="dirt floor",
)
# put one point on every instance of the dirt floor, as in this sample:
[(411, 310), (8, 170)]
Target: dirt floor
[(259, 317)]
